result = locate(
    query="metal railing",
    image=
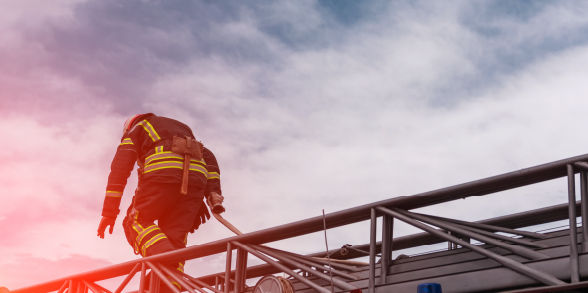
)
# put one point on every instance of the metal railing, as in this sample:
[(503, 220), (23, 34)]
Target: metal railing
[(302, 267)]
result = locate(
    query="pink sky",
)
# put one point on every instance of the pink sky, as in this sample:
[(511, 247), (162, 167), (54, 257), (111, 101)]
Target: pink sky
[(307, 106)]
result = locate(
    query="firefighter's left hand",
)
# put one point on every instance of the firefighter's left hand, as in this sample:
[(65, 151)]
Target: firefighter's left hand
[(105, 222)]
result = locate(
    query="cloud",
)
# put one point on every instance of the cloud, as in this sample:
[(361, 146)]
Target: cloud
[(25, 268), (307, 107)]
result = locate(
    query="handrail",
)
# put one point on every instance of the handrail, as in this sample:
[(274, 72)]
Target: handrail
[(480, 187)]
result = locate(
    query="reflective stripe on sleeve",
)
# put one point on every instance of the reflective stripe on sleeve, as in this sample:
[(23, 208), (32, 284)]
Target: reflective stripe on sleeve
[(127, 141), (150, 130), (213, 175), (110, 193)]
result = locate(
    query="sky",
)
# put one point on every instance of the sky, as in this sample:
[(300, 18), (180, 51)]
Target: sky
[(307, 105)]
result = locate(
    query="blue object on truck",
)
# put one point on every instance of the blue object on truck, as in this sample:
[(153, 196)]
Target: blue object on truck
[(429, 288)]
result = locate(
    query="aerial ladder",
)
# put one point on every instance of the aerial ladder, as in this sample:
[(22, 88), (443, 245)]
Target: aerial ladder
[(492, 255)]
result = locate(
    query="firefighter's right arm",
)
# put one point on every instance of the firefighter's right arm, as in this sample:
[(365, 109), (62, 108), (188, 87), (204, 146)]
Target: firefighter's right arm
[(213, 193), (120, 169)]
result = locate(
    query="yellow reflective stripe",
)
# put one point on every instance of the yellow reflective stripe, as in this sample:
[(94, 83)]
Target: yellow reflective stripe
[(144, 233), (198, 162), (136, 226), (163, 165), (164, 155), (111, 193), (174, 165), (168, 155), (158, 149), (149, 157), (213, 175), (150, 130), (137, 229), (198, 168), (126, 141), (152, 241), (153, 129)]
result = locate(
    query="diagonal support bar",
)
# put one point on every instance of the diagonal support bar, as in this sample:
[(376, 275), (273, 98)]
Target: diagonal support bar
[(101, 288), (62, 288), (94, 288), (491, 228), (507, 262), (302, 260), (163, 278), (523, 251), (282, 267), (179, 279), (337, 282), (200, 283), (501, 237), (127, 279)]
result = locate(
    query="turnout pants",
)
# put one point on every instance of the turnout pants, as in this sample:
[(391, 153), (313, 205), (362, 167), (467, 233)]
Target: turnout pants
[(160, 217)]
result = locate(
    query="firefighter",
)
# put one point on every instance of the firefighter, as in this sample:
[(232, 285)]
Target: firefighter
[(176, 175)]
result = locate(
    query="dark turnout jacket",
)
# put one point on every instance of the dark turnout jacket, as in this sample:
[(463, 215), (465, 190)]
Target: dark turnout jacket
[(148, 143)]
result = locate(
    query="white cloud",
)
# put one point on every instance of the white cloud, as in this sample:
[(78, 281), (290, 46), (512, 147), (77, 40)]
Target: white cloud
[(396, 105)]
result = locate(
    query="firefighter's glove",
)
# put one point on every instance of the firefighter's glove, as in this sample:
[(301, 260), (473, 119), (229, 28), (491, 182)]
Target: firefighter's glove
[(104, 223), (215, 202)]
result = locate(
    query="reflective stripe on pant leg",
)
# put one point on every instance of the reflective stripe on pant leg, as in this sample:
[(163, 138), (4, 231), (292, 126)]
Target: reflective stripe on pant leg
[(145, 232), (146, 237), (152, 241)]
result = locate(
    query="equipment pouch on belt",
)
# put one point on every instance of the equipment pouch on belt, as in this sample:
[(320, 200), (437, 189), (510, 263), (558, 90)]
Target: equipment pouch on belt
[(187, 145), (191, 149)]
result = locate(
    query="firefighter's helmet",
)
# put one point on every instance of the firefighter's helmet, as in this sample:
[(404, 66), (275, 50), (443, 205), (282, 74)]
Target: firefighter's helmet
[(130, 123)]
